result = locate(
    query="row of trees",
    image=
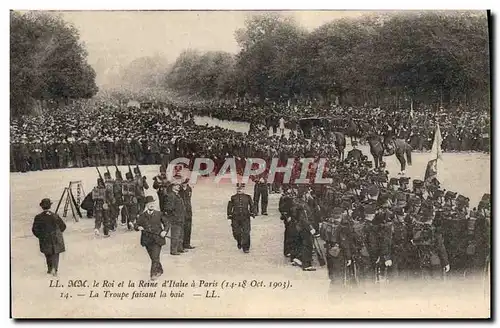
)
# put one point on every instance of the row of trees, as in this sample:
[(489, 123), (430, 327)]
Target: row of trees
[(428, 58), (47, 62)]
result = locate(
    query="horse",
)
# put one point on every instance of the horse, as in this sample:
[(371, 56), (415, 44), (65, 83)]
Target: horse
[(353, 131), (400, 148), (339, 141)]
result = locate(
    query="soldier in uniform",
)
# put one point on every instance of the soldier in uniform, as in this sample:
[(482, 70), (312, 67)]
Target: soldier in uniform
[(261, 191), (176, 214), (355, 154), (117, 191), (285, 208), (141, 185), (401, 247), (113, 207), (339, 246), (129, 210), (153, 225), (102, 200), (186, 192), (428, 240), (161, 184), (239, 210), (303, 217)]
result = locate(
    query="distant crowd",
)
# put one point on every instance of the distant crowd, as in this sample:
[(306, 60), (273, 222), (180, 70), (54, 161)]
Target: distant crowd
[(107, 135)]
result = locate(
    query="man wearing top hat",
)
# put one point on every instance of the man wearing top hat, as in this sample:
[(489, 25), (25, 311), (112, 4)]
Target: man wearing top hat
[(154, 226), (48, 227), (239, 210)]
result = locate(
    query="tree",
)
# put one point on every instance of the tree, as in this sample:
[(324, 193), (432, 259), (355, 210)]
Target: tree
[(47, 61)]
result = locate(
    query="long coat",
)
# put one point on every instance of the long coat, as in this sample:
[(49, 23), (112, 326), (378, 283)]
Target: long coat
[(175, 208), (153, 225), (48, 227)]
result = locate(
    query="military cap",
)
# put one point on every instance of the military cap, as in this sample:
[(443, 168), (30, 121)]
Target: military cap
[(393, 181), (438, 193), (129, 175), (461, 199), (369, 209), (337, 211), (372, 191), (400, 196), (418, 183), (398, 210), (450, 195), (404, 180), (354, 143), (240, 185)]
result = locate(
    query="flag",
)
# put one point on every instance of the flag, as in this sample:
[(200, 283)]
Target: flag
[(411, 109), (431, 170), (436, 154), (436, 151)]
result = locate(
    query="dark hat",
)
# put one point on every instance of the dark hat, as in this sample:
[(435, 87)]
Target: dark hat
[(107, 175), (393, 181), (450, 195), (486, 198), (128, 175), (149, 199), (404, 180), (399, 210), (461, 199), (372, 191), (369, 209), (418, 183), (240, 185), (337, 211), (354, 143), (45, 203)]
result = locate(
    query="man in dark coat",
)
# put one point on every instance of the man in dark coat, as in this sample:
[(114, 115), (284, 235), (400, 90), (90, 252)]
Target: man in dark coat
[(239, 210), (186, 193), (355, 154), (176, 213), (48, 227), (261, 191), (153, 225)]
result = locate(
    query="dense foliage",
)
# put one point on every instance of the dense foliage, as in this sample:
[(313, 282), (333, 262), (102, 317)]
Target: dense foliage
[(47, 62), (428, 58)]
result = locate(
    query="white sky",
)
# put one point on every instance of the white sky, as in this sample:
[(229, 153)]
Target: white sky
[(115, 38)]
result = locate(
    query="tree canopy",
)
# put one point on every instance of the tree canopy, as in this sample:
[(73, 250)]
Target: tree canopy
[(428, 57), (47, 61)]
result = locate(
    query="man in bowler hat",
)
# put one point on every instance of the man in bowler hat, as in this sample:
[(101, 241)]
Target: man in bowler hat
[(48, 227), (154, 227)]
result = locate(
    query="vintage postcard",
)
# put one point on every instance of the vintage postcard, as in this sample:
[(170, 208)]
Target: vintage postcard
[(250, 164)]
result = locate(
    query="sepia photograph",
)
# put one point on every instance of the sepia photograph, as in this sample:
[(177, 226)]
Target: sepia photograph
[(298, 164)]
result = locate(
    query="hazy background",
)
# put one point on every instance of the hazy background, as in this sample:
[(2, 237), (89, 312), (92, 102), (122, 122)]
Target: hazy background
[(115, 38)]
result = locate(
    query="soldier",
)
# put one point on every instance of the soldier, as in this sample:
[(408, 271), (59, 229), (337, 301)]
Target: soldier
[(113, 207), (261, 191), (101, 197), (141, 185), (176, 214), (186, 192), (117, 192), (129, 210), (239, 210), (285, 208), (339, 245), (161, 184), (153, 225), (36, 156), (303, 217), (401, 247), (428, 240), (355, 154), (76, 149)]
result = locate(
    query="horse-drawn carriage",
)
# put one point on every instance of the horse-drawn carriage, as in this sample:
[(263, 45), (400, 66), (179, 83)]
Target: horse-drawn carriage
[(327, 124)]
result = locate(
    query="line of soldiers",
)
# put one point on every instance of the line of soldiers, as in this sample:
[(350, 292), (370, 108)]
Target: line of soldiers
[(377, 228), (126, 198)]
